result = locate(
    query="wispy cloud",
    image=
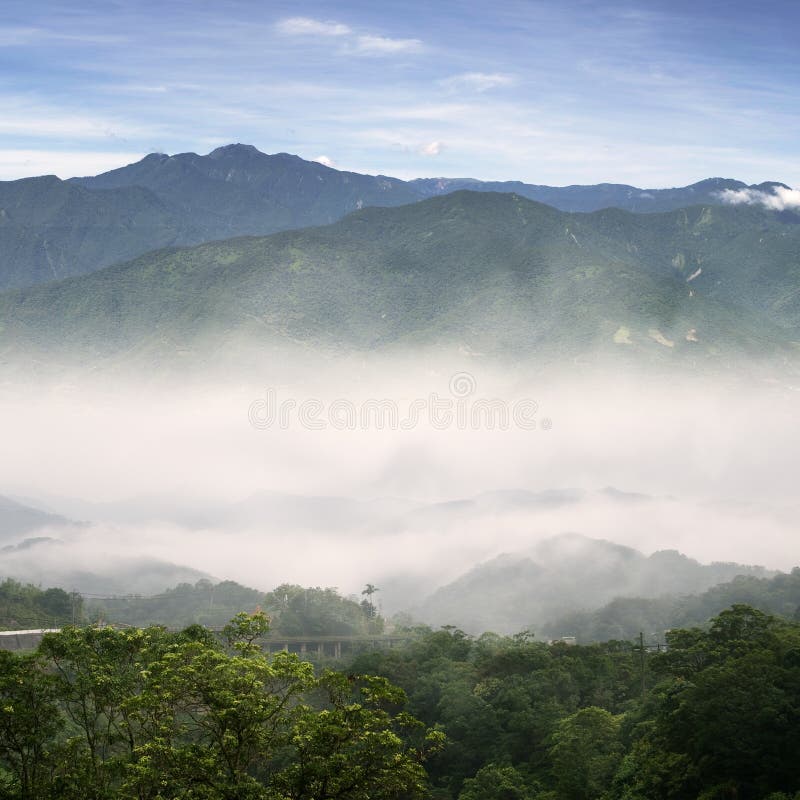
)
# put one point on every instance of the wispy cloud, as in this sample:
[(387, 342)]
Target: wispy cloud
[(477, 81), (19, 36), (356, 43), (384, 45), (325, 161), (16, 164), (779, 198), (431, 149), (306, 26)]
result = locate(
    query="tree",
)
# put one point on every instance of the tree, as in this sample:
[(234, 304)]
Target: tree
[(494, 782), (29, 722), (146, 714), (367, 605), (585, 754)]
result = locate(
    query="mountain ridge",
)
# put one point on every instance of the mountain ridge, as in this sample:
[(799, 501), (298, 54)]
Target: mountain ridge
[(566, 573), (51, 229), (494, 272)]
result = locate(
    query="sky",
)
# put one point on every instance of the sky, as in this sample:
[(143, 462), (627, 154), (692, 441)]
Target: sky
[(656, 94)]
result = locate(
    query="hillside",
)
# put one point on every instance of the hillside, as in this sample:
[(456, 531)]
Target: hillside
[(518, 591), (493, 273), (624, 617), (597, 196), (237, 190), (52, 229)]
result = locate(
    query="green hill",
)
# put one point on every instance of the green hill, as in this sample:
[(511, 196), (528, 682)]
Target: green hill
[(562, 576), (494, 273), (624, 617), (52, 229)]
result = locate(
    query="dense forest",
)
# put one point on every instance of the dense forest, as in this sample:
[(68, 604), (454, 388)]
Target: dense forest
[(293, 610), (145, 713)]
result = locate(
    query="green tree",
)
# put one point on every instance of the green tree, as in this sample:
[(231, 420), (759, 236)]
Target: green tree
[(585, 754), (494, 782), (145, 714), (29, 722)]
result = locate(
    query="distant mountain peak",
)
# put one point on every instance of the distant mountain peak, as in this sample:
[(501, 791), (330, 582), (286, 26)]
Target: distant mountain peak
[(235, 149)]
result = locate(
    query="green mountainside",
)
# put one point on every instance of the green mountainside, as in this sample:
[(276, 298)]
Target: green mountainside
[(52, 229), (237, 190), (494, 273), (624, 617)]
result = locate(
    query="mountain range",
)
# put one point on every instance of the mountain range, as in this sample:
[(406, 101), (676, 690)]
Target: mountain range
[(52, 229), (517, 591), (484, 272)]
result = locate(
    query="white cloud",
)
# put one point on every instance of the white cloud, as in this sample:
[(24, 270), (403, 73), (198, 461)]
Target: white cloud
[(779, 199), (325, 161), (19, 36), (305, 26), (477, 81), (16, 164), (383, 45), (431, 149), (361, 44)]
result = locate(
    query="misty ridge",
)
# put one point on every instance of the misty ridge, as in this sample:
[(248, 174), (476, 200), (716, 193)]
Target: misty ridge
[(126, 484)]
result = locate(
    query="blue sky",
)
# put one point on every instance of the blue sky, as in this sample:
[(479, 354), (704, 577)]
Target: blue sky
[(571, 91)]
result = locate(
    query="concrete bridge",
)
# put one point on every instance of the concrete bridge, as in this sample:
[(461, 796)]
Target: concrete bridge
[(23, 640), (330, 646)]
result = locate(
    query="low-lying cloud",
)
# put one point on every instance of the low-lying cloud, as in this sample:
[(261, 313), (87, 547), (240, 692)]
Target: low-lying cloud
[(778, 198), (179, 476)]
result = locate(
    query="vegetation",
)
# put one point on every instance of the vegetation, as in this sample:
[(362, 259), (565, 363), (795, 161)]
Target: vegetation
[(296, 611), (203, 603), (98, 713), (550, 586), (718, 717), (624, 617), (293, 610), (52, 229), (497, 273), (24, 606)]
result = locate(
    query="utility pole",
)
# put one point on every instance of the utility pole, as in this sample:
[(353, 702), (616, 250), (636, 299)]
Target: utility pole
[(641, 660)]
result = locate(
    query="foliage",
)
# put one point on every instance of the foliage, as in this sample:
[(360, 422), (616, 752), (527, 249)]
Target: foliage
[(624, 617), (27, 606), (152, 715), (204, 603), (313, 611), (142, 713), (530, 280)]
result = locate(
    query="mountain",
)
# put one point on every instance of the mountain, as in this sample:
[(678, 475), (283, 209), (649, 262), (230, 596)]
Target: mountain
[(237, 190), (17, 520), (624, 617), (566, 573), (51, 229), (598, 196), (90, 569), (493, 273)]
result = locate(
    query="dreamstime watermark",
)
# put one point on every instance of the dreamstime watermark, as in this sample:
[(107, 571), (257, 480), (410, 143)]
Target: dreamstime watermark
[(461, 408)]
